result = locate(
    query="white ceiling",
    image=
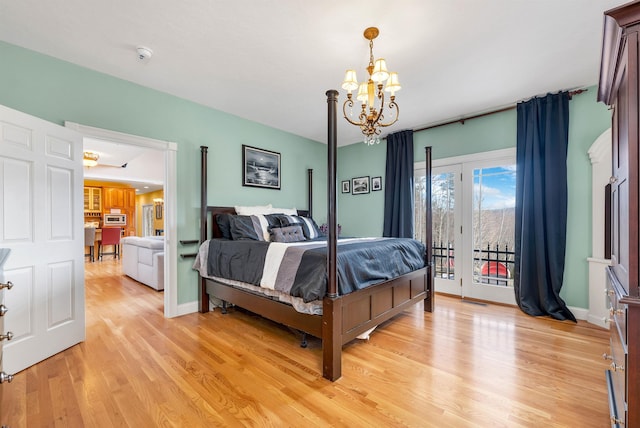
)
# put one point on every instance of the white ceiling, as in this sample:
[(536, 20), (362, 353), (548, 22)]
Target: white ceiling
[(140, 167), (273, 61)]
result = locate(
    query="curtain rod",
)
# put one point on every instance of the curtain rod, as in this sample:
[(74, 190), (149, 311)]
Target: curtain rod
[(462, 120)]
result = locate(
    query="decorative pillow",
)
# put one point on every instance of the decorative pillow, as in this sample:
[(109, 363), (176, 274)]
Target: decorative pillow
[(287, 211), (244, 227), (224, 224), (253, 210), (287, 234), (309, 227)]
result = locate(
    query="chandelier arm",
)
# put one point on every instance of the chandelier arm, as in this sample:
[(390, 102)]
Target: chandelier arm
[(344, 112), (392, 105)]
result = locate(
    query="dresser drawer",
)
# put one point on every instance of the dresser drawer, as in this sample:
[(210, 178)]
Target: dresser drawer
[(617, 310), (617, 371)]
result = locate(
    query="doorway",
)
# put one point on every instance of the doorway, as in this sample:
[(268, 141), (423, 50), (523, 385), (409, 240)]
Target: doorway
[(473, 206), (169, 149)]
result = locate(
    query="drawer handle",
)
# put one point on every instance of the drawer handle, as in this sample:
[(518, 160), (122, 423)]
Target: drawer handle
[(5, 377), (616, 368), (607, 356), (3, 310), (7, 336), (616, 311), (613, 179), (8, 285), (616, 421)]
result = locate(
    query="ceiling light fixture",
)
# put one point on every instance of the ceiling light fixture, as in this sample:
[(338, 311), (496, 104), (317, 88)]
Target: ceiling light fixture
[(371, 95), (90, 159)]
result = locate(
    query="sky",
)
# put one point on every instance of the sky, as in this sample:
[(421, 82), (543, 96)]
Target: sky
[(497, 186)]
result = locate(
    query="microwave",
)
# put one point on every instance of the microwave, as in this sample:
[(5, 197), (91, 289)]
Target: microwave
[(114, 220)]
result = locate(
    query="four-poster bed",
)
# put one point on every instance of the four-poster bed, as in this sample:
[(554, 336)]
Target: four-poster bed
[(344, 316)]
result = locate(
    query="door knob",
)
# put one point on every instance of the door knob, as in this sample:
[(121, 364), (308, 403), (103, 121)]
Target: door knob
[(3, 310), (7, 336), (5, 377), (8, 285)]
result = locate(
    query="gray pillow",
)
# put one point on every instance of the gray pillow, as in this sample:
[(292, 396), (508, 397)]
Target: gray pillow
[(243, 227), (287, 234)]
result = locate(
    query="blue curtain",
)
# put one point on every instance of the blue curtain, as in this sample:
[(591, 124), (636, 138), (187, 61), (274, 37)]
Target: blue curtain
[(541, 205), (398, 194)]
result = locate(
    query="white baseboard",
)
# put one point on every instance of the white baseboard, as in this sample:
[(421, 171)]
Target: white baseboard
[(187, 308), (583, 314), (599, 321), (579, 313)]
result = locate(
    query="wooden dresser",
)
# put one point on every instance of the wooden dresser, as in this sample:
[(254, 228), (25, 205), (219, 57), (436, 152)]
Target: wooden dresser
[(619, 88)]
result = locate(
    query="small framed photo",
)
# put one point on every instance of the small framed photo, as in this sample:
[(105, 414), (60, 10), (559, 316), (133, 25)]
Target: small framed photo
[(159, 212), (376, 184), (360, 185), (260, 168), (346, 186)]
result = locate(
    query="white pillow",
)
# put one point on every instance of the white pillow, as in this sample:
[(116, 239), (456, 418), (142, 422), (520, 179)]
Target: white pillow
[(285, 211), (253, 210)]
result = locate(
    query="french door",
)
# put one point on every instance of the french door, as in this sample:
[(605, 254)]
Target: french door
[(473, 202), (446, 191)]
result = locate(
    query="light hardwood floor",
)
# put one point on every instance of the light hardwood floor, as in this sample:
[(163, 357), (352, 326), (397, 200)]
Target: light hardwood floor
[(465, 365)]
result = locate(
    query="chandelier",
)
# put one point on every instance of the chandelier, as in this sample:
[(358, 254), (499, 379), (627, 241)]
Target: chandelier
[(371, 95), (90, 159)]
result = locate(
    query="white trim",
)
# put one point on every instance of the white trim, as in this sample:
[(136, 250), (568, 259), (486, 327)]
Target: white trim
[(171, 307), (600, 150), (186, 308), (580, 313), (494, 154)]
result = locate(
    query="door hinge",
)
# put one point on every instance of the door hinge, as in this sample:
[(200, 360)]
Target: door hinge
[(460, 282)]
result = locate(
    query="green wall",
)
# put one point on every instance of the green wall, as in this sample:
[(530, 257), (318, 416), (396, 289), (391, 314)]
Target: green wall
[(59, 91), (362, 215)]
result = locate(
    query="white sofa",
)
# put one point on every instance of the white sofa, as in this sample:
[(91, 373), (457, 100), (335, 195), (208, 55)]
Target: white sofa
[(143, 260)]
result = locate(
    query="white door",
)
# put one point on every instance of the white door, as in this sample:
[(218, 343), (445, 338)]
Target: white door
[(446, 198), (489, 191), (41, 221)]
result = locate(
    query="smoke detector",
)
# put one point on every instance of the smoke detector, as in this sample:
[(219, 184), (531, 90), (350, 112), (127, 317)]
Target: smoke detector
[(144, 53)]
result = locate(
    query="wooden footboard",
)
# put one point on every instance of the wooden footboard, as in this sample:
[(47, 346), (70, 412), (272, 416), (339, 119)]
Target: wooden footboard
[(344, 317)]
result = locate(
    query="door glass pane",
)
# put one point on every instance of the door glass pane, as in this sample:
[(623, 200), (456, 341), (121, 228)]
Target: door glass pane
[(494, 200), (443, 204)]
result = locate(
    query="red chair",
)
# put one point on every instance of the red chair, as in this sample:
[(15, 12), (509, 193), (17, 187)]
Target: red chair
[(110, 236)]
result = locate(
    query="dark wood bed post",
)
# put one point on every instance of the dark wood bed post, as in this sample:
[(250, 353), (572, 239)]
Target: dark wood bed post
[(332, 305), (310, 192), (203, 297), (429, 300)]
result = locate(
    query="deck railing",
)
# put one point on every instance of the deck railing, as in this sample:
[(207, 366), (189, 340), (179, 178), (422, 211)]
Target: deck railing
[(490, 266)]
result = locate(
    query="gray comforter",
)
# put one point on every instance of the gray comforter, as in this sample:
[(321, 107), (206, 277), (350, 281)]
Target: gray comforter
[(300, 269)]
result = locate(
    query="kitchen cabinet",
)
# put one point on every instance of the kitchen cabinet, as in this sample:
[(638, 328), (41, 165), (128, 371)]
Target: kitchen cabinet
[(124, 200), (93, 199), (115, 197)]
